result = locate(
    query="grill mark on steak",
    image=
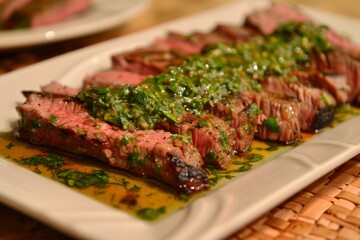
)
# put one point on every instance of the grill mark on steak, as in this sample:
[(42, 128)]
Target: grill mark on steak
[(286, 113), (314, 112), (66, 125), (235, 111), (213, 137)]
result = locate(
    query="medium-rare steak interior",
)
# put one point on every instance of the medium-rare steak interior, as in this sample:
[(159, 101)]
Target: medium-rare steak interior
[(185, 103)]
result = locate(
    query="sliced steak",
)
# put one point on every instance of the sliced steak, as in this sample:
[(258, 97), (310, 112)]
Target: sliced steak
[(66, 125), (281, 113), (315, 105), (235, 33), (146, 61), (240, 116), (179, 44), (192, 43), (335, 83), (268, 19), (340, 62), (112, 78), (212, 137), (58, 89)]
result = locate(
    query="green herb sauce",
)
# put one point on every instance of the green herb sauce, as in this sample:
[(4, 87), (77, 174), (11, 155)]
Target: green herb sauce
[(206, 78)]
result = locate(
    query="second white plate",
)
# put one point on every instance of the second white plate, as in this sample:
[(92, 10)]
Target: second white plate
[(103, 15)]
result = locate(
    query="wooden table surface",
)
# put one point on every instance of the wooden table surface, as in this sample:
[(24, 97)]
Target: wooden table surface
[(15, 225)]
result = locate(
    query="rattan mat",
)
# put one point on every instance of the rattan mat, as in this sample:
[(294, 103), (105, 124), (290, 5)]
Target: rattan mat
[(327, 209)]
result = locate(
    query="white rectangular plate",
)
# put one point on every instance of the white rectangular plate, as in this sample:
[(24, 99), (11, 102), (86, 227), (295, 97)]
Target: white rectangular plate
[(211, 217)]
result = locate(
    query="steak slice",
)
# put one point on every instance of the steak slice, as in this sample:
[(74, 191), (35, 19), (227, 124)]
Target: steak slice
[(58, 89), (212, 137), (151, 60), (335, 83), (316, 106), (283, 113), (235, 33), (112, 78), (66, 125), (187, 44), (269, 19), (341, 63), (179, 44), (241, 116)]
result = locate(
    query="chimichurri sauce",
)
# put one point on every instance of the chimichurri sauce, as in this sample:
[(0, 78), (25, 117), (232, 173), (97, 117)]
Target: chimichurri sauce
[(143, 198), (203, 79)]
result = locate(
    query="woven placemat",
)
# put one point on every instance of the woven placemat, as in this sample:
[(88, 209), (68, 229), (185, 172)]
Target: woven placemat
[(327, 209)]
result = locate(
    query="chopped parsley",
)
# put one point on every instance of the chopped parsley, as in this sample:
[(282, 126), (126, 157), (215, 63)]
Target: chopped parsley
[(183, 138), (73, 178), (150, 213), (52, 161), (224, 139), (272, 124)]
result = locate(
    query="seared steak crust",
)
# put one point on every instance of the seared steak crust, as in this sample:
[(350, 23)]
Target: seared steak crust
[(284, 111), (314, 112), (236, 112), (212, 136), (67, 125)]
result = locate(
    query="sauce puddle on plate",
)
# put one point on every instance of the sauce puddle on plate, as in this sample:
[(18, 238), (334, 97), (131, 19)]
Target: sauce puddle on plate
[(143, 198)]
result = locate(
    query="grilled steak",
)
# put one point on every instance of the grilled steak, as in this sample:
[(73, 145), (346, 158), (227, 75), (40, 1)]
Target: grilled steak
[(58, 89), (146, 61), (340, 62), (241, 116), (279, 120), (213, 137), (316, 106), (267, 20), (112, 78), (335, 83), (66, 125), (234, 33)]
